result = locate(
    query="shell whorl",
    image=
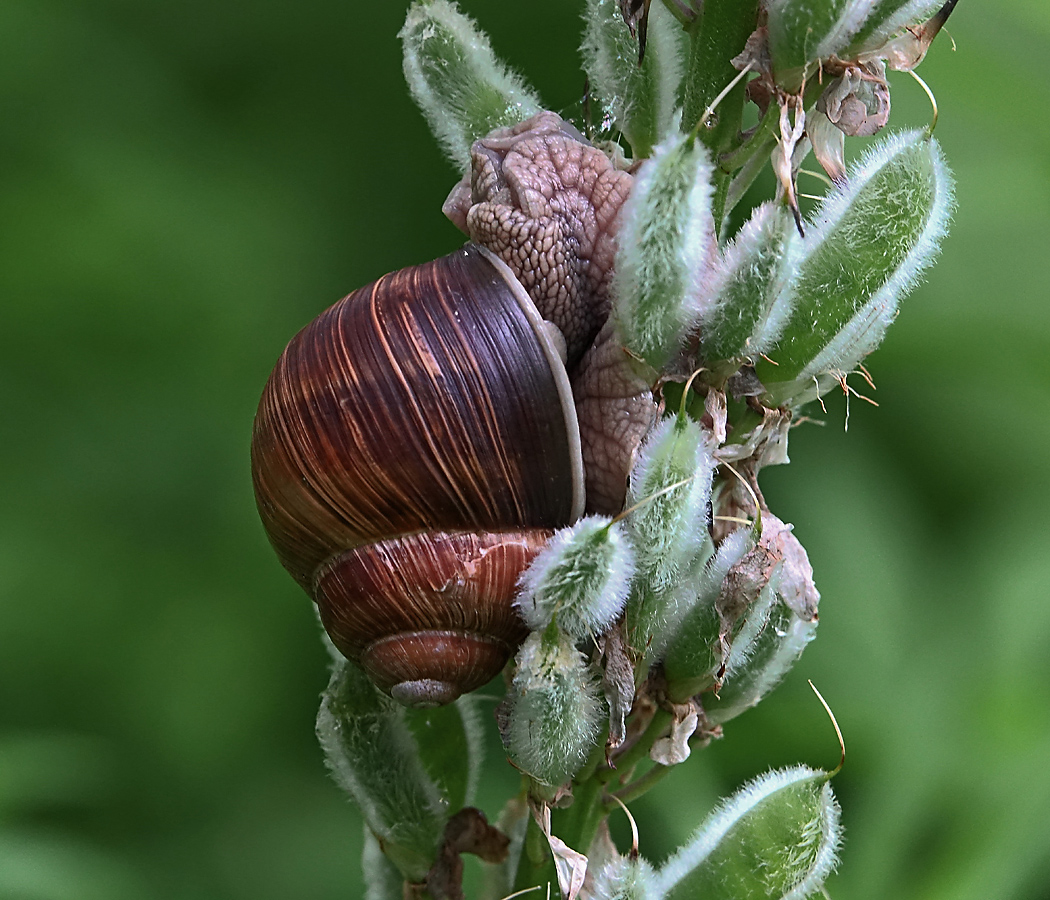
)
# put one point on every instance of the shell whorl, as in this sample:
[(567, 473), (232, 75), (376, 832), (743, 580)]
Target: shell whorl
[(453, 623)]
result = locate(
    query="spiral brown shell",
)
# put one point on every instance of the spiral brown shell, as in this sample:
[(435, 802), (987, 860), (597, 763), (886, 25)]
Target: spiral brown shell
[(415, 446)]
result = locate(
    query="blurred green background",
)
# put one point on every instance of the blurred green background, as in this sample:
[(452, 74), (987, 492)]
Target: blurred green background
[(182, 186)]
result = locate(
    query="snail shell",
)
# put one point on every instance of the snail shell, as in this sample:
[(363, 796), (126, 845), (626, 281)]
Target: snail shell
[(415, 447)]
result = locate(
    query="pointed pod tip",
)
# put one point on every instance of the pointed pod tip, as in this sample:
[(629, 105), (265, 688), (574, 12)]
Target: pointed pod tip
[(936, 23)]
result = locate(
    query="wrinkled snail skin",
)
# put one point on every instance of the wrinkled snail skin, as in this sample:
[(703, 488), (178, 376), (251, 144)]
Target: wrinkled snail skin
[(548, 203), (418, 443)]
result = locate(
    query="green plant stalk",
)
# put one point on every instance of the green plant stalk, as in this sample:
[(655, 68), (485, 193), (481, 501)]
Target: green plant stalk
[(639, 786), (536, 866), (580, 822), (578, 825), (626, 762), (718, 35), (743, 163)]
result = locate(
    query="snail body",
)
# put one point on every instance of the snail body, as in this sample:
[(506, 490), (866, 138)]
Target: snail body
[(418, 443)]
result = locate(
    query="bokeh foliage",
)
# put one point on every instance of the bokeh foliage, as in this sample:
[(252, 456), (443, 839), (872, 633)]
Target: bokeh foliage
[(182, 186)]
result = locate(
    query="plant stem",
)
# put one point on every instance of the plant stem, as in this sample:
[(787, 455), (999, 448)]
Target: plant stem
[(717, 36), (639, 786), (578, 824), (536, 866), (640, 749)]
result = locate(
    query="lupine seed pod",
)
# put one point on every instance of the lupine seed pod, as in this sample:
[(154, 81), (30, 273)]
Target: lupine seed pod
[(750, 634), (671, 486), (654, 615), (802, 32), (638, 99), (553, 713), (373, 756), (464, 91), (770, 641), (666, 249), (887, 20), (905, 51), (580, 579), (695, 654), (777, 837), (625, 878), (869, 244), (747, 299)]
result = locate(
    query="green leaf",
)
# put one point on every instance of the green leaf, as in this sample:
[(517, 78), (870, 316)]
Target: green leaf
[(373, 756), (464, 91), (666, 249), (871, 241), (777, 837), (640, 100)]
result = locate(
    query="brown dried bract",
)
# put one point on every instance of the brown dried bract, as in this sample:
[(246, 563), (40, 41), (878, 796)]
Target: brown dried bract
[(617, 685), (468, 831), (636, 15)]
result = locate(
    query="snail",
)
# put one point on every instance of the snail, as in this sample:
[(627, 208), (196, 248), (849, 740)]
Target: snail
[(419, 442)]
